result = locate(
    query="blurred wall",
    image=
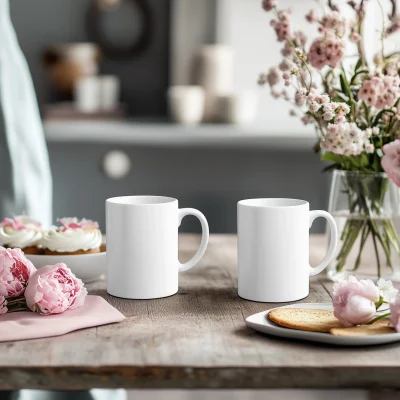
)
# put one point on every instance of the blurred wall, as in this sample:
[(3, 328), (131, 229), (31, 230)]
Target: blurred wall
[(212, 180), (41, 23)]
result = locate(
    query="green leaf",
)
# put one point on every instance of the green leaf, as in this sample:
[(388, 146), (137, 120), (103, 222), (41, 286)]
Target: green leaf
[(379, 115), (328, 156), (363, 71), (340, 98), (364, 160), (358, 65), (376, 163), (343, 86)]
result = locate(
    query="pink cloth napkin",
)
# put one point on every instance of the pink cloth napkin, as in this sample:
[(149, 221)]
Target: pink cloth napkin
[(29, 325)]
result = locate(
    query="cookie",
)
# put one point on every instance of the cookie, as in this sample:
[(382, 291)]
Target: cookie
[(305, 319), (381, 327)]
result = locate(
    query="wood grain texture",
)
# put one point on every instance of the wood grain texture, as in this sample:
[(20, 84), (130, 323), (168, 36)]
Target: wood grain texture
[(195, 339)]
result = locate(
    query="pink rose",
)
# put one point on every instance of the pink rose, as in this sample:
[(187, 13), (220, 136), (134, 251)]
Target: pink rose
[(3, 305), (75, 223), (395, 313), (15, 270), (354, 301), (54, 289), (391, 161)]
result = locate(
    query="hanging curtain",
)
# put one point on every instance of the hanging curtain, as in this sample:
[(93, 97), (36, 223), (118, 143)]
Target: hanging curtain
[(27, 161)]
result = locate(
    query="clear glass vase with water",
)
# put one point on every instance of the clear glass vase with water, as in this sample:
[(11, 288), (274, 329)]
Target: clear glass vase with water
[(366, 207)]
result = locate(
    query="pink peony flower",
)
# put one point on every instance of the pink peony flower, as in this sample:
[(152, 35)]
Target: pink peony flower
[(326, 50), (391, 161), (3, 305), (15, 271), (395, 313), (268, 5), (54, 289), (75, 223), (354, 301)]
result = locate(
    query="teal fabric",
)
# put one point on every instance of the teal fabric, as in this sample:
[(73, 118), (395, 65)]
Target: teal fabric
[(26, 163)]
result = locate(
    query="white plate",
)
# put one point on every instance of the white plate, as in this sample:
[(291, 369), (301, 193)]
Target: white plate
[(88, 267), (261, 323)]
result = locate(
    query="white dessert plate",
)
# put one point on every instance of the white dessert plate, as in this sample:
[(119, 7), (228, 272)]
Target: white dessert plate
[(88, 267), (261, 323)]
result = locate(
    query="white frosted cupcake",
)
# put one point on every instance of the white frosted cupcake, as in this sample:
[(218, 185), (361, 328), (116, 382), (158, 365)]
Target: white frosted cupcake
[(74, 236), (22, 232)]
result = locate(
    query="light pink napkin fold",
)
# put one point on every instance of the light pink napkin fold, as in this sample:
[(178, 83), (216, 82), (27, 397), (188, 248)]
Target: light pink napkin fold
[(29, 325)]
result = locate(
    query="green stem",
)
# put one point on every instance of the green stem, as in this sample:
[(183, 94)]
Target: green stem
[(378, 318), (377, 255), (364, 237)]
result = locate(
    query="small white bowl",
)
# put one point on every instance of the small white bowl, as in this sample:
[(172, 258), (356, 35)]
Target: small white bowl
[(88, 267)]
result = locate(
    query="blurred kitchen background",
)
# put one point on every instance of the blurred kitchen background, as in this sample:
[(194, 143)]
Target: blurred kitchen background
[(111, 78)]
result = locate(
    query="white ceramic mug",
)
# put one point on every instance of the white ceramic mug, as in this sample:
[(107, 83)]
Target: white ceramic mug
[(186, 104), (238, 108), (142, 246), (273, 249)]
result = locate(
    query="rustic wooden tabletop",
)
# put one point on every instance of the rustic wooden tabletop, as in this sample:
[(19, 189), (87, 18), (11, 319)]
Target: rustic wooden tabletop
[(195, 339)]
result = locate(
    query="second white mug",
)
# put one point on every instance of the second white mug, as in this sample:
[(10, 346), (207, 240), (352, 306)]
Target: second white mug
[(273, 249)]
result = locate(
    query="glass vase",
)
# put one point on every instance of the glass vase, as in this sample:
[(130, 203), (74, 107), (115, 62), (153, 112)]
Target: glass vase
[(366, 209)]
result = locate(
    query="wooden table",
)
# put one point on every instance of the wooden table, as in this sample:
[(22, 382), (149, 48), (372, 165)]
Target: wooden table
[(195, 339)]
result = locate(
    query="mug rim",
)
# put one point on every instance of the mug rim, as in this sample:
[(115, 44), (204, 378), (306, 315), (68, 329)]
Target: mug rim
[(276, 202), (142, 200)]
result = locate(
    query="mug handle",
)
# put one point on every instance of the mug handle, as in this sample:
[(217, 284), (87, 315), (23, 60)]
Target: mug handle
[(182, 212), (333, 243)]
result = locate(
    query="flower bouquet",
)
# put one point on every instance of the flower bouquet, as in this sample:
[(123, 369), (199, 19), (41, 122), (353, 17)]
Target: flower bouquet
[(354, 107), (49, 290)]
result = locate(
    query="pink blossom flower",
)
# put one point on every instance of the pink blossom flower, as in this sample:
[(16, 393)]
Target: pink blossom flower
[(391, 161), (311, 17), (333, 23), (54, 289), (3, 305), (15, 271), (354, 301), (395, 313), (355, 37), (380, 91), (286, 65), (287, 50), (275, 94), (268, 5), (305, 119), (273, 76), (391, 68), (326, 50), (300, 38), (283, 26), (75, 223), (300, 97)]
